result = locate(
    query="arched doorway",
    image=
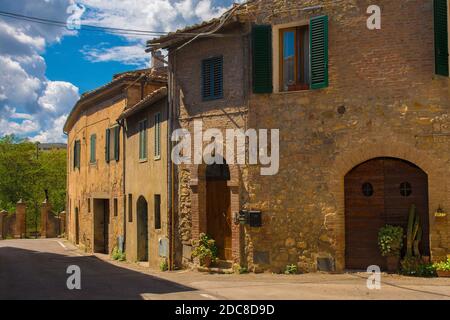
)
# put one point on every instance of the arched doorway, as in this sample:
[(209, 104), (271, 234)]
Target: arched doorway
[(379, 192), (218, 213), (142, 229)]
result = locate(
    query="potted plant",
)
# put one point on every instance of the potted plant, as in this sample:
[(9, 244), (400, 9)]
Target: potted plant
[(390, 241), (205, 250), (443, 268)]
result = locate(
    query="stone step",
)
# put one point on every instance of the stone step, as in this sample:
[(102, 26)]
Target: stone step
[(215, 270)]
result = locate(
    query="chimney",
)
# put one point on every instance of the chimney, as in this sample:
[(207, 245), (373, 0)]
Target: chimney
[(157, 60)]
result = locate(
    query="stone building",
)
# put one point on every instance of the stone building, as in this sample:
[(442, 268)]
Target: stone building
[(363, 115), (96, 201)]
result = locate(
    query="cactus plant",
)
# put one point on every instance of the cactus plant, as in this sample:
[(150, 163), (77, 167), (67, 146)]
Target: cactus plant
[(414, 233)]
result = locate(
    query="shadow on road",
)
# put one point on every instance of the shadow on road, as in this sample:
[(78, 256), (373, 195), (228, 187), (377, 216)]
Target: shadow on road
[(28, 274)]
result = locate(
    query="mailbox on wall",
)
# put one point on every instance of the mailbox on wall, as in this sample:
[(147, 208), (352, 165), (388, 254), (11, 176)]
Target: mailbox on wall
[(251, 218), (255, 219)]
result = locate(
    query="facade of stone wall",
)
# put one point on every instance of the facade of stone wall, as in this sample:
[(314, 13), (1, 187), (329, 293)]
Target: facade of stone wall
[(227, 113), (383, 100)]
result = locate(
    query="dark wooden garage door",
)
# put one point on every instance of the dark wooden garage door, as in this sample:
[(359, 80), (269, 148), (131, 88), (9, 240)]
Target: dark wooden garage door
[(380, 192)]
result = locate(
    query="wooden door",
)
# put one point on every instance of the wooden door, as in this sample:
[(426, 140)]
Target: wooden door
[(380, 192), (219, 217), (364, 203), (142, 229)]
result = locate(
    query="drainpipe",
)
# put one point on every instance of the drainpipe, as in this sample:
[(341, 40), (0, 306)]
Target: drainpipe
[(122, 123), (171, 168)]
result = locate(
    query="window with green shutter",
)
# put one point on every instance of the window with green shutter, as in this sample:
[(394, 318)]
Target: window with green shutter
[(441, 37), (157, 144), (143, 140), (262, 58), (93, 147), (318, 36), (77, 154), (212, 78), (116, 143), (107, 145), (157, 203)]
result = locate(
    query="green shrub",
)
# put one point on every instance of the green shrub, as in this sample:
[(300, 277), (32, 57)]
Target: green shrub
[(291, 269), (442, 266), (205, 247), (239, 269), (390, 240), (164, 266), (118, 254), (414, 266)]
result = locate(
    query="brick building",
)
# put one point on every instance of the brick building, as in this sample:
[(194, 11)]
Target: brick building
[(364, 129)]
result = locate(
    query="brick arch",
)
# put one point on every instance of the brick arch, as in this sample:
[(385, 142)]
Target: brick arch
[(433, 166), (198, 204)]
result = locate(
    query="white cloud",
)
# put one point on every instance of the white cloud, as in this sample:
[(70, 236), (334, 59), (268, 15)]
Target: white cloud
[(54, 133), (150, 15), (133, 55), (30, 104), (58, 97)]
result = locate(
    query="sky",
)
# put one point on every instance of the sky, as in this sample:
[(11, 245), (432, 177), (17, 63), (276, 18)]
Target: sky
[(44, 68)]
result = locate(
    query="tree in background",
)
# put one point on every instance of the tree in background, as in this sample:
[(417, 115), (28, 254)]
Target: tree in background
[(25, 173)]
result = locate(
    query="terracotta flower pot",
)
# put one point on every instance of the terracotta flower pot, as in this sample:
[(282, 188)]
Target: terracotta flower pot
[(392, 263), (443, 274), (206, 262)]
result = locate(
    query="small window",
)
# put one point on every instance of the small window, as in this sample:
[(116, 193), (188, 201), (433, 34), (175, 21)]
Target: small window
[(367, 189), (405, 189), (89, 204), (157, 136), (212, 78), (130, 207), (93, 148), (143, 140), (116, 207), (294, 59), (157, 211)]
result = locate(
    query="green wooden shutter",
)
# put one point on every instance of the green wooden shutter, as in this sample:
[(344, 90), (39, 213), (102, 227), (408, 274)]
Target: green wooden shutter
[(107, 145), (319, 52), (116, 142), (441, 37), (93, 147), (262, 59), (157, 142)]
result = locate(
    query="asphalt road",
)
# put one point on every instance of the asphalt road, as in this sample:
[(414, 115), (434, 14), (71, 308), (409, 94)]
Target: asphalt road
[(36, 269)]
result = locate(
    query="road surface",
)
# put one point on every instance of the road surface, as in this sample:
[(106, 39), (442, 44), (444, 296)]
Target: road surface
[(36, 269)]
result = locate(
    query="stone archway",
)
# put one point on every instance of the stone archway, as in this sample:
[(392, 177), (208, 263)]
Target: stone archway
[(433, 166), (198, 185), (380, 192)]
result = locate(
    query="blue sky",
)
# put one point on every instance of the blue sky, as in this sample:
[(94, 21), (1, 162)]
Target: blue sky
[(44, 69)]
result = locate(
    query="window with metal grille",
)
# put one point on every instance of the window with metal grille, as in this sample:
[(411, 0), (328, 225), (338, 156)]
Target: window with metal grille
[(130, 207), (212, 78), (157, 211)]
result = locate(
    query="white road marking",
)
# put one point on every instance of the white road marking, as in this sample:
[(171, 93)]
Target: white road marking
[(205, 295), (62, 245)]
